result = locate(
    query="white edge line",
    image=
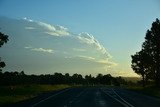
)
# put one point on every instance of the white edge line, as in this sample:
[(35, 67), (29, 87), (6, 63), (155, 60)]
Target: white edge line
[(49, 97), (116, 99), (123, 99)]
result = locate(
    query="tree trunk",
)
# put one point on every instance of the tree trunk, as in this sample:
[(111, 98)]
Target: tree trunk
[(158, 79), (143, 81)]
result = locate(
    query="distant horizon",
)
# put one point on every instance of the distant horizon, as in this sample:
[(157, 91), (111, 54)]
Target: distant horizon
[(126, 78)]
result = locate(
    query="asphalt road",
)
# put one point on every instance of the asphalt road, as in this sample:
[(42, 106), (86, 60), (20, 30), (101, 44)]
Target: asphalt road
[(93, 97)]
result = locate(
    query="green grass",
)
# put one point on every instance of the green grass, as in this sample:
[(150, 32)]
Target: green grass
[(13, 94), (149, 90)]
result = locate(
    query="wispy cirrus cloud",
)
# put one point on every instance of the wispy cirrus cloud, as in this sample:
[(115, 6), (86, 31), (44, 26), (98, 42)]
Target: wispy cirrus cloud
[(25, 18), (40, 49), (85, 39), (27, 47), (72, 52), (43, 50), (54, 30), (86, 57), (107, 63), (90, 40), (29, 28), (79, 49)]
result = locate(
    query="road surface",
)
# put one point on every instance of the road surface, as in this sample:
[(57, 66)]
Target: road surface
[(93, 97)]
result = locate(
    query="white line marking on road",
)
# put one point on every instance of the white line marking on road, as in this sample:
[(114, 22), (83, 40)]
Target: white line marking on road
[(49, 97), (99, 100), (124, 104), (102, 103), (123, 99)]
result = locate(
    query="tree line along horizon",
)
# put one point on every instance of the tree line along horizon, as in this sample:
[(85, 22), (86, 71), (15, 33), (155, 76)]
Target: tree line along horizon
[(145, 63), (20, 78)]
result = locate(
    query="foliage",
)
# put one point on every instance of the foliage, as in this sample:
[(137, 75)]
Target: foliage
[(20, 78), (3, 39), (147, 61)]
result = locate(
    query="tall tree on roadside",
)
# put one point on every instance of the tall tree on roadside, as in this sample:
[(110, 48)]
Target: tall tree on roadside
[(148, 59), (141, 65), (152, 45), (3, 39)]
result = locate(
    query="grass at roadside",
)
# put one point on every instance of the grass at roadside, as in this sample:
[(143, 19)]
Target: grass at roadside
[(149, 90), (13, 94)]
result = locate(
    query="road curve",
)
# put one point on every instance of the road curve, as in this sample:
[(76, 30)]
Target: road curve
[(92, 97)]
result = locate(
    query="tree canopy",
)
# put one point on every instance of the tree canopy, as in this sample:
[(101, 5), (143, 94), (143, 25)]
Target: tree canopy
[(3, 39), (20, 78), (146, 62)]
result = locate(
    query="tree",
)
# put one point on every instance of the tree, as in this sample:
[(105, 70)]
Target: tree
[(140, 64), (152, 45), (2, 64), (77, 78), (147, 61), (99, 78), (3, 39), (89, 80), (106, 80)]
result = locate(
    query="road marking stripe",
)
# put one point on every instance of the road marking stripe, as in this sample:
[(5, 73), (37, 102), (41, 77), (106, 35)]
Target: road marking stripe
[(49, 97), (74, 99), (99, 100), (124, 104), (123, 99)]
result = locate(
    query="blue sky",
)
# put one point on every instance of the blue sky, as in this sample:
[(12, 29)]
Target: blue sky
[(118, 25)]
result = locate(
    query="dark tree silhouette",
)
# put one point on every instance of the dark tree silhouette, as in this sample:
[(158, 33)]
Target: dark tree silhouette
[(3, 39), (147, 61), (89, 80), (20, 78), (141, 65)]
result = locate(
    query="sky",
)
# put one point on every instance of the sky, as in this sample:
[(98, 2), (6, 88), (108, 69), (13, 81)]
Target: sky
[(74, 36)]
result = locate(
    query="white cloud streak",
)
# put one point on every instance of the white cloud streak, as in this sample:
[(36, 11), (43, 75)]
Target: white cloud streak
[(90, 40), (43, 50), (86, 57), (54, 30), (27, 19), (50, 29), (40, 50), (106, 62), (79, 49), (27, 47), (29, 28), (47, 26)]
